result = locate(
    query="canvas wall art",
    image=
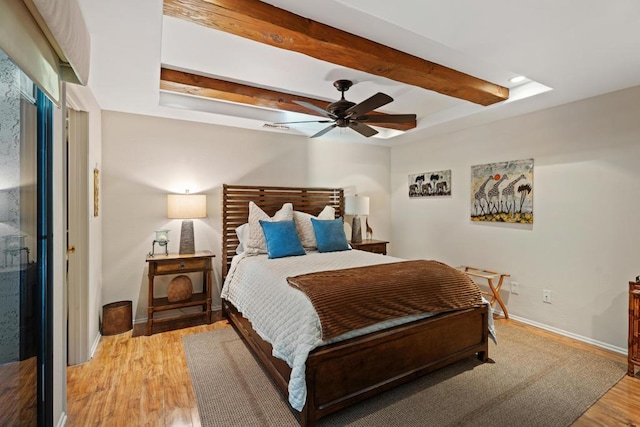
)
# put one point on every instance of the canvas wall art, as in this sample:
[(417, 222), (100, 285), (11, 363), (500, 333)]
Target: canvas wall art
[(502, 192), (430, 184)]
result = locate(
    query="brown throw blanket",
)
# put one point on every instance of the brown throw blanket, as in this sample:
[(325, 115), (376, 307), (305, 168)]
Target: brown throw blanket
[(354, 298)]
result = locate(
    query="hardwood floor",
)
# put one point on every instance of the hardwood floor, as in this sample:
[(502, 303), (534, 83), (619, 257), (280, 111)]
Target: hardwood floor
[(18, 400), (141, 381), (144, 381)]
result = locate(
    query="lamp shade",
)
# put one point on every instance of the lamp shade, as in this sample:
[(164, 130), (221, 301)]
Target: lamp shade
[(186, 206), (356, 205)]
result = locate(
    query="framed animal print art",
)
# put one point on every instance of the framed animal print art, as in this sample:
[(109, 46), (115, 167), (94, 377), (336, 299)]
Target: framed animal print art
[(502, 192), (430, 184)]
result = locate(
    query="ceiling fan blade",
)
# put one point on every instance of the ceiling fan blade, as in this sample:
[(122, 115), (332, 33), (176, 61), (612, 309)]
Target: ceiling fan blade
[(315, 108), (388, 118), (369, 104), (304, 121), (363, 129), (323, 131)]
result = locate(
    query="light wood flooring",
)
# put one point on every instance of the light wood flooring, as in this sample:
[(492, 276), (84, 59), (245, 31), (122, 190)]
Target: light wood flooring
[(144, 381), (18, 400)]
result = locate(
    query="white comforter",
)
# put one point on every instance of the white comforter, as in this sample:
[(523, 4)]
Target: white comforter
[(257, 287)]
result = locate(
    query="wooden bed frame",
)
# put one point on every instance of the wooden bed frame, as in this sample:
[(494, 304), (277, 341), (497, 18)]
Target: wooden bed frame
[(347, 372)]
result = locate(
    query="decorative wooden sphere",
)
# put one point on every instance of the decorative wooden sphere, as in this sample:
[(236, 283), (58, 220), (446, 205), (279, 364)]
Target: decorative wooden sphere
[(180, 289)]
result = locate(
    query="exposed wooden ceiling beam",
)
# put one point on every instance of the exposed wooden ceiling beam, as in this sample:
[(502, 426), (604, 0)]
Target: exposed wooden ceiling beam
[(268, 24), (193, 84)]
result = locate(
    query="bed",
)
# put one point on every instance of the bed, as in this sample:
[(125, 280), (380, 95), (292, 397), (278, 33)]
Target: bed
[(339, 373)]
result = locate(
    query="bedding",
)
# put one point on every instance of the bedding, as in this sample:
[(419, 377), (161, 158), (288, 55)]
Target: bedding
[(282, 239), (242, 232), (304, 227), (330, 235), (256, 243), (354, 298), (257, 287), (302, 220)]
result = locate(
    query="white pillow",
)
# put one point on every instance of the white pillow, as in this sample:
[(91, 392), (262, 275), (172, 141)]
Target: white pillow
[(305, 228), (256, 243), (242, 232)]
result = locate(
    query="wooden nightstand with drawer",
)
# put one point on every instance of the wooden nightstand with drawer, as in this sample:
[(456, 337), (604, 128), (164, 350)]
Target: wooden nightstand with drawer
[(370, 245), (180, 264)]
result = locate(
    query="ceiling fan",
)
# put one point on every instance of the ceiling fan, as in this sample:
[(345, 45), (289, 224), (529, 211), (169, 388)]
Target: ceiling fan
[(345, 113)]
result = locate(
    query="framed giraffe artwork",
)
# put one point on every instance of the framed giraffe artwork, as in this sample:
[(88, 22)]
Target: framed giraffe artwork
[(430, 184), (502, 192)]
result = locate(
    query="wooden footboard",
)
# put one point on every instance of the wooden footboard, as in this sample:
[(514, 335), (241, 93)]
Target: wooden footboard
[(347, 372)]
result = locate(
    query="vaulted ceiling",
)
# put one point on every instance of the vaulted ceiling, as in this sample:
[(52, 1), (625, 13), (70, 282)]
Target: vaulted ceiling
[(245, 63)]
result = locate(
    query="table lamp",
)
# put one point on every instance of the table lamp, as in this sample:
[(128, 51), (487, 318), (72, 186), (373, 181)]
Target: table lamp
[(356, 205), (187, 206)]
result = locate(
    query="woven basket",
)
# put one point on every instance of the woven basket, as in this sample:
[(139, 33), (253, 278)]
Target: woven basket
[(180, 289), (116, 318)]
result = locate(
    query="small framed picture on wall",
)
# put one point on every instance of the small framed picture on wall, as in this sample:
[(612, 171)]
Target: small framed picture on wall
[(96, 191), (430, 184)]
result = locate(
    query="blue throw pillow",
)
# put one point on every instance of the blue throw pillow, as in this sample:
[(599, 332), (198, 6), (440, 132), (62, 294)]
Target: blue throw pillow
[(330, 235), (282, 239)]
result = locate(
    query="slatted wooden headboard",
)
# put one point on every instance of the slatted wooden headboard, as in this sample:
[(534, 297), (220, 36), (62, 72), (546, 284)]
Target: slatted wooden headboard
[(235, 208)]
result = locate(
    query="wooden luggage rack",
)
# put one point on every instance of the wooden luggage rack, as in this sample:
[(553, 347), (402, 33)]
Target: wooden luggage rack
[(489, 276)]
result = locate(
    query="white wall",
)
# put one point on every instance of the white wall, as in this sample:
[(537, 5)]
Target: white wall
[(144, 158), (583, 245)]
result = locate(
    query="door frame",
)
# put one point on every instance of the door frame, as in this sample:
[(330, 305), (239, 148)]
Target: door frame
[(78, 345)]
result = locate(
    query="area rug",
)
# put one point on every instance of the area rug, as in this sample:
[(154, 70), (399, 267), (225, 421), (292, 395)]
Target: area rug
[(533, 382)]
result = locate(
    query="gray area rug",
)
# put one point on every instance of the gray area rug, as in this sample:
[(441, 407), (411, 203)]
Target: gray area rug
[(533, 382)]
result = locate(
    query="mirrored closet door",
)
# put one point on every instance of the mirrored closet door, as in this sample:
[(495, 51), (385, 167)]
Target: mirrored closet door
[(23, 232)]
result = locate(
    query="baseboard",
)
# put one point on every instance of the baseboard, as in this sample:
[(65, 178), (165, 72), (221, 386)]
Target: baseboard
[(566, 334), (94, 347), (62, 420)]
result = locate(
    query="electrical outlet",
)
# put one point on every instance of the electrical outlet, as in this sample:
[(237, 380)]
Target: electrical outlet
[(546, 296), (514, 288)]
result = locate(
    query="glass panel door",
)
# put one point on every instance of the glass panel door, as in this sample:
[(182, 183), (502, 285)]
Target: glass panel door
[(21, 278)]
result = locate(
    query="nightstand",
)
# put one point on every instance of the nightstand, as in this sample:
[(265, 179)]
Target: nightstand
[(180, 264), (370, 245)]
